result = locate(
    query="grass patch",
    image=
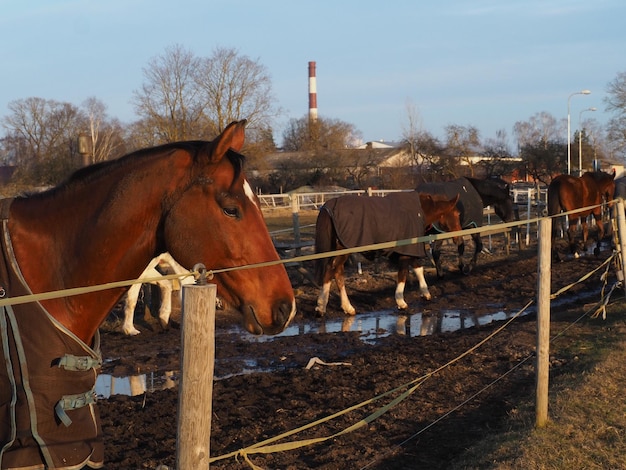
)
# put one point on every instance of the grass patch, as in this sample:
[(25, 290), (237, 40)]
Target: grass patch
[(587, 407)]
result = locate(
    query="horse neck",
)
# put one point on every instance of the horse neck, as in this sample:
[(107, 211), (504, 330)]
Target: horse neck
[(84, 235)]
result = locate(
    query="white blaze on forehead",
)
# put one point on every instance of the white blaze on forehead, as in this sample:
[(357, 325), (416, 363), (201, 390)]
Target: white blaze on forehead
[(248, 190)]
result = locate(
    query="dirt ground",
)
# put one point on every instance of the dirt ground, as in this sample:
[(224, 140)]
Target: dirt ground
[(426, 430)]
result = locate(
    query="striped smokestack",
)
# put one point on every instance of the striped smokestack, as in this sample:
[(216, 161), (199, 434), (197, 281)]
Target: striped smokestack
[(312, 93)]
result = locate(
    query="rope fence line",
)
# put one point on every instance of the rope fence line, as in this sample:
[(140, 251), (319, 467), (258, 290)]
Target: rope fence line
[(493, 229), (266, 447), (603, 302)]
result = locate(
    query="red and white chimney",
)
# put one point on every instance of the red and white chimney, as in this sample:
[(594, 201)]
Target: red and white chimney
[(312, 93)]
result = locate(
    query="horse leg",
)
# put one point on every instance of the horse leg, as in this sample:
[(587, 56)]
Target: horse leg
[(461, 253), (340, 279), (166, 302), (571, 234), (478, 247), (424, 292), (129, 310), (322, 298), (334, 268), (436, 252), (600, 234), (402, 275)]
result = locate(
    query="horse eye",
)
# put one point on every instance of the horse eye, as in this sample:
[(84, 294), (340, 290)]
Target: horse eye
[(231, 211)]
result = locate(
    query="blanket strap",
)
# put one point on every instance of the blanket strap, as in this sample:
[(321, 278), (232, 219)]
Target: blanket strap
[(79, 363), (73, 402)]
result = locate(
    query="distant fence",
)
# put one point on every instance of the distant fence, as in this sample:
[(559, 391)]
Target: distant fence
[(314, 200)]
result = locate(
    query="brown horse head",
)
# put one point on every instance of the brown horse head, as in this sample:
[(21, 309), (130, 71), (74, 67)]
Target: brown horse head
[(442, 213), (220, 192), (109, 220)]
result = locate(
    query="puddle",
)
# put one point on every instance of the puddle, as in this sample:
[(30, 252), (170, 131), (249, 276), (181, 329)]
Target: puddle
[(374, 325), (107, 385), (371, 326)]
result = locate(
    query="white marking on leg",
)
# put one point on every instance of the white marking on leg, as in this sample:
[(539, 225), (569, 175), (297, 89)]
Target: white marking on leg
[(322, 298), (419, 272), (402, 305), (166, 302), (129, 310), (346, 306)]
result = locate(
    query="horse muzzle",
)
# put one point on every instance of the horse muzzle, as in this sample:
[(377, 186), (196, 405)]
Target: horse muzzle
[(282, 313)]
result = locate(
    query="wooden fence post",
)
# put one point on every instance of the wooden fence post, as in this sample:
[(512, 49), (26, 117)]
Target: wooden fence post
[(295, 215), (621, 231), (195, 399), (543, 320)]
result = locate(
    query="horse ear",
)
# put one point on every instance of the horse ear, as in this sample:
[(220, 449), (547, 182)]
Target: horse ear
[(231, 138)]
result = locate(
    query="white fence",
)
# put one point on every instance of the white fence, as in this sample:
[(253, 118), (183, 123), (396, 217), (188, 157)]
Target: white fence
[(531, 196)]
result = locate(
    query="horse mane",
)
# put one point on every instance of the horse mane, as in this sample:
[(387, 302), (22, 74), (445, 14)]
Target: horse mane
[(87, 174)]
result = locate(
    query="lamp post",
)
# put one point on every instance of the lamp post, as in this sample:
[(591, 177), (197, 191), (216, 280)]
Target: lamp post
[(580, 140), (569, 137)]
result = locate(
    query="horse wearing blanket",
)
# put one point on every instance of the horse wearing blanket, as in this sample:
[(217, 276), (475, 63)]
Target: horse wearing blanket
[(105, 224), (353, 221)]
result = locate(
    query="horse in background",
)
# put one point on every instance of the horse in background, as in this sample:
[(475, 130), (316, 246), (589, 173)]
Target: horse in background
[(165, 263), (474, 195), (352, 221), (104, 224), (567, 193)]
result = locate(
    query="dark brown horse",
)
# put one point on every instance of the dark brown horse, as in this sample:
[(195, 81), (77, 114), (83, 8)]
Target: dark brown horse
[(474, 195), (351, 221), (567, 193), (105, 224)]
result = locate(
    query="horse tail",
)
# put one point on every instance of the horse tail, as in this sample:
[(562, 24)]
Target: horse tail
[(554, 197), (555, 206), (324, 241)]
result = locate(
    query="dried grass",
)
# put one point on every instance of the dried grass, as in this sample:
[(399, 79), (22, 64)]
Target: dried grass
[(587, 412)]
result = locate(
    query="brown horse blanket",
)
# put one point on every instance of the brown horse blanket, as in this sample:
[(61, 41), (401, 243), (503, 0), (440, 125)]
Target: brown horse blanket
[(48, 417), (362, 220)]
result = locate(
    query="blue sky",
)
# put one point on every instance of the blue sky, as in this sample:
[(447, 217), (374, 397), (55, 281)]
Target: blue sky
[(484, 63)]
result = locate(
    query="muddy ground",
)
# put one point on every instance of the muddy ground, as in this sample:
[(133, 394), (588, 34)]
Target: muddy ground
[(140, 431)]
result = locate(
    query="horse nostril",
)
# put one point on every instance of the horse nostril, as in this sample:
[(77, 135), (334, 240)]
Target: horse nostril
[(282, 313)]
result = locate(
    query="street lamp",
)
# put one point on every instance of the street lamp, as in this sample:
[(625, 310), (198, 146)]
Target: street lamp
[(580, 140), (569, 140)]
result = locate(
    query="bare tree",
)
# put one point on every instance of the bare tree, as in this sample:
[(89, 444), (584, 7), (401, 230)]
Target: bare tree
[(322, 135), (186, 97), (462, 144), (45, 133), (497, 156), (104, 134), (541, 127), (235, 87), (169, 102), (423, 149), (615, 101)]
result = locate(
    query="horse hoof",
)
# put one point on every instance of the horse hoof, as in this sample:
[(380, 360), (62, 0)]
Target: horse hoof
[(466, 269), (596, 251)]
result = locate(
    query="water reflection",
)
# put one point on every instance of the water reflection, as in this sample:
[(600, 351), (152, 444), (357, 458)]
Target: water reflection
[(107, 385), (374, 325), (370, 326)]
